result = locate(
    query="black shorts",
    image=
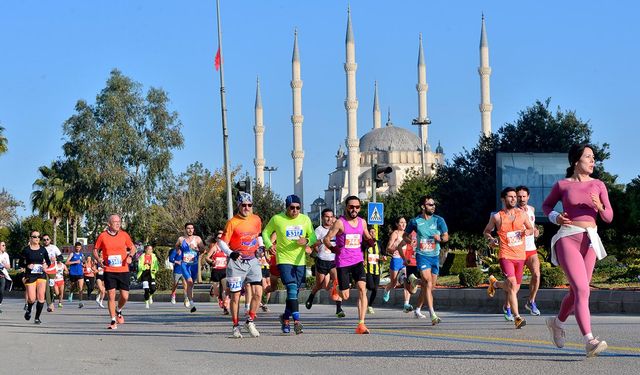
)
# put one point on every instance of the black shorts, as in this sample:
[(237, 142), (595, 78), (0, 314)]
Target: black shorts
[(265, 273), (345, 274), (413, 270), (218, 275), (100, 277), (373, 281), (116, 280), (324, 266), (75, 278)]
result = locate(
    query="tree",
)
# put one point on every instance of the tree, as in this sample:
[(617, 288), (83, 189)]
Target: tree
[(47, 197), (19, 232), (3, 142), (8, 207), (121, 146)]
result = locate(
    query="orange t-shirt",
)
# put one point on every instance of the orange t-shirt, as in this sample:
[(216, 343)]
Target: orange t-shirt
[(512, 236), (241, 234), (114, 250)]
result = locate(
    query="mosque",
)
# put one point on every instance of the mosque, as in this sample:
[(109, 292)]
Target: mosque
[(396, 147)]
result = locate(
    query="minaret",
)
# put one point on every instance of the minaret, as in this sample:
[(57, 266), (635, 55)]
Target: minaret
[(258, 129), (422, 88), (376, 107), (485, 72), (351, 105), (296, 119)]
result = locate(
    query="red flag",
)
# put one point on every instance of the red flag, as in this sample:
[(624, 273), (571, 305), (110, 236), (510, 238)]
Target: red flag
[(218, 60)]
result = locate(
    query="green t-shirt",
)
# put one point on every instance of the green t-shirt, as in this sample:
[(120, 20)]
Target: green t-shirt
[(288, 231)]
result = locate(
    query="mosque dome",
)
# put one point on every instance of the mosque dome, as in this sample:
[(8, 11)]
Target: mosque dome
[(439, 149), (389, 138)]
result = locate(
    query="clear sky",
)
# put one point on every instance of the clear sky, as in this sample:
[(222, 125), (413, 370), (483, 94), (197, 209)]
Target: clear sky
[(582, 54)]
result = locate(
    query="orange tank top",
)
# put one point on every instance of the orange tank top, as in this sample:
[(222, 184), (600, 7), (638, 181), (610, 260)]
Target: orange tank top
[(512, 235)]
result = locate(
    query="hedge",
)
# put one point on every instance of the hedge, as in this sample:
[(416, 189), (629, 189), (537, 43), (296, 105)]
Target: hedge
[(470, 277)]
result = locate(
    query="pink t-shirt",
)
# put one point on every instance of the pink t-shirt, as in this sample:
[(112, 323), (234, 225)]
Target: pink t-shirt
[(349, 244), (576, 200)]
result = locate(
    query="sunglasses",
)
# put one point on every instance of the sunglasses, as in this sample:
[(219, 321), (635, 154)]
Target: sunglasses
[(294, 208), (351, 207), (46, 239), (430, 204), (35, 236), (246, 205)]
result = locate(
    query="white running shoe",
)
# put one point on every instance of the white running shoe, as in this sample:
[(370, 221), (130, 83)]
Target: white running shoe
[(235, 333), (98, 300), (146, 304), (413, 280), (151, 300), (557, 333), (251, 327), (187, 304), (419, 315), (173, 299), (595, 347)]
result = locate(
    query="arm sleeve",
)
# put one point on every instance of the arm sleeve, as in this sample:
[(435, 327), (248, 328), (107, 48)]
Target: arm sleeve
[(551, 200), (607, 213)]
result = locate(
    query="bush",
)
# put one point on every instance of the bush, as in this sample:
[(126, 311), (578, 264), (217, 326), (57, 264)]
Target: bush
[(164, 279), (454, 263), (162, 252), (470, 277), (310, 281), (495, 270), (16, 278), (631, 274), (551, 277)]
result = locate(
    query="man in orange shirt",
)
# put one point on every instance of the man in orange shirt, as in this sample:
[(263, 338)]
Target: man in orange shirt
[(115, 245)]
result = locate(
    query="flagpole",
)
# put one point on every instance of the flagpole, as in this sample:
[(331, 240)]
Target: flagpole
[(225, 131)]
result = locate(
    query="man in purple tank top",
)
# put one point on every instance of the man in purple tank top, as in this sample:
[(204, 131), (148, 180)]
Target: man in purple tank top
[(350, 231)]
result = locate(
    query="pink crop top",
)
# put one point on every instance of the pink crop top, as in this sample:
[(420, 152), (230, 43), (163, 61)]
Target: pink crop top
[(576, 200)]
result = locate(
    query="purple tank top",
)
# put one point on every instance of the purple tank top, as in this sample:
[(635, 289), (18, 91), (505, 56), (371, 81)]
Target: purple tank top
[(349, 250)]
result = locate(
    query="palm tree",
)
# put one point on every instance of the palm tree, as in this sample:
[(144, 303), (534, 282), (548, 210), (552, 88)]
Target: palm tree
[(3, 142), (47, 197)]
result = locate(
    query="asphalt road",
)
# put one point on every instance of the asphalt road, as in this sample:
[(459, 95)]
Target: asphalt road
[(168, 340)]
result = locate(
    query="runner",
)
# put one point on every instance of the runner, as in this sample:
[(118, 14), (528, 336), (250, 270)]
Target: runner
[(410, 276), (509, 223), (532, 262), (61, 270), (116, 246), (76, 273), (175, 258), (100, 281), (147, 269), (577, 245), (53, 252), (325, 264), (350, 232), (397, 264), (372, 268), (89, 271), (5, 265), (294, 236), (241, 242), (190, 246), (34, 256), (218, 261)]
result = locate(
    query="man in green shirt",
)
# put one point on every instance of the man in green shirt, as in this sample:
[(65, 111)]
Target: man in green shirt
[(294, 236)]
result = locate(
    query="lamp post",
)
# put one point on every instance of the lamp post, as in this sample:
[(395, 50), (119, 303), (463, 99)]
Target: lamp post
[(334, 188), (420, 122), (270, 169)]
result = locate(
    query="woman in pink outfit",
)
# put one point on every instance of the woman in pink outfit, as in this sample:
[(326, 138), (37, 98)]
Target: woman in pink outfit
[(577, 245)]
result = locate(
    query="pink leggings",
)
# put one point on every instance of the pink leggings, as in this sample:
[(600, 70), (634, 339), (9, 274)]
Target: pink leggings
[(577, 259)]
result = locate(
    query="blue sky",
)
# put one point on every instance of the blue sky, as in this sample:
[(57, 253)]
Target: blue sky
[(582, 54)]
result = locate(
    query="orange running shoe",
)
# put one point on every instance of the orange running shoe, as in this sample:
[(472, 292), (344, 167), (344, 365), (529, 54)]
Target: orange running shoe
[(361, 329)]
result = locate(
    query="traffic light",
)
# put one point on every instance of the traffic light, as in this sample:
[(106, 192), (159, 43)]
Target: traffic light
[(244, 185), (380, 173)]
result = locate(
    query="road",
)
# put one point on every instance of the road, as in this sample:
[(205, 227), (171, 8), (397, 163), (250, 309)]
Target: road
[(168, 340)]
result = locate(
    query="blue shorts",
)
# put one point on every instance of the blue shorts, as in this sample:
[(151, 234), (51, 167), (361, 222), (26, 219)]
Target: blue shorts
[(186, 271), (290, 274), (396, 264), (425, 262)]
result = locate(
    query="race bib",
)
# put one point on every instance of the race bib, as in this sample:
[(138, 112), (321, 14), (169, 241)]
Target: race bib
[(52, 282), (234, 283), (293, 232), (220, 262), (514, 238), (114, 260), (352, 241), (100, 271), (88, 270), (188, 257), (373, 258), (37, 269), (427, 244)]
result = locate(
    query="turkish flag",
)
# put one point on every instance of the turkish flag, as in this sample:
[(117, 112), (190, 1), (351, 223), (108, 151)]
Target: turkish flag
[(218, 60)]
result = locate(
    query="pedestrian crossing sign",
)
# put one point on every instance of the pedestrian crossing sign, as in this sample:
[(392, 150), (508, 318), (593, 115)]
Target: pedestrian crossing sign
[(375, 213)]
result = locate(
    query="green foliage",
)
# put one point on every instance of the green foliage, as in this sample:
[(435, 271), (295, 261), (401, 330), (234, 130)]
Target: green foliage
[(551, 277), (310, 281), (470, 277), (454, 263), (19, 233), (8, 208), (4, 143), (162, 253), (164, 279), (16, 278)]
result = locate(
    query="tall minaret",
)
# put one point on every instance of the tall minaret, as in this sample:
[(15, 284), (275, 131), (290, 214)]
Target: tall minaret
[(485, 71), (258, 129), (422, 88), (376, 107), (351, 105), (296, 119)]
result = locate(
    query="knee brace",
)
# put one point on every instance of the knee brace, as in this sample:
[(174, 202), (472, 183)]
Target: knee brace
[(145, 285), (292, 291)]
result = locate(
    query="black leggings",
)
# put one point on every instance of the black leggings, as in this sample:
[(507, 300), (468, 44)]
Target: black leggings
[(373, 281), (146, 276), (90, 282)]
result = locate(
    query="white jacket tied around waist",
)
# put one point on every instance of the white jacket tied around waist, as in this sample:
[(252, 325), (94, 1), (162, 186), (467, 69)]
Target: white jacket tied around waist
[(569, 230)]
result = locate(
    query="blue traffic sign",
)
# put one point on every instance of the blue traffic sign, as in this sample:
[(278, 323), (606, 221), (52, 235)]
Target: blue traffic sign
[(375, 213)]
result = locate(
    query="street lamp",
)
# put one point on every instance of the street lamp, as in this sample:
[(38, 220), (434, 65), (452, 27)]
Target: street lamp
[(420, 122), (270, 169), (334, 188)]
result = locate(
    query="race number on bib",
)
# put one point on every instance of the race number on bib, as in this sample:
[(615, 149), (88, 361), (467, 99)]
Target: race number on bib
[(221, 262), (293, 232), (114, 260), (373, 258), (427, 244), (188, 256), (514, 238), (235, 283), (37, 269), (352, 241)]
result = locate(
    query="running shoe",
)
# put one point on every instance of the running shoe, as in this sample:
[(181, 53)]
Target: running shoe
[(251, 328), (112, 325), (25, 307), (341, 314), (309, 302), (70, 298), (59, 305), (413, 281), (419, 315), (225, 311), (264, 307), (120, 319), (595, 347), (435, 319), (297, 328), (173, 299), (386, 296), (151, 300), (220, 303), (361, 329), (235, 333), (27, 315), (38, 321), (80, 305), (146, 304), (491, 290), (402, 276), (284, 325), (193, 308), (557, 332), (50, 308), (370, 310), (532, 308), (187, 304), (98, 301), (508, 316), (407, 308), (520, 322), (101, 305)]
